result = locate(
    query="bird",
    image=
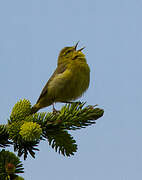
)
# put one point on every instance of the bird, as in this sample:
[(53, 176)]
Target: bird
[(69, 81)]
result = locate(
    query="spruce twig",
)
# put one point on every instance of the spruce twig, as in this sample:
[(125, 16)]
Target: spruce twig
[(25, 131)]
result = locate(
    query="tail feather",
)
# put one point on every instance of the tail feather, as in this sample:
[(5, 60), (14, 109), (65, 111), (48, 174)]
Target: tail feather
[(34, 109)]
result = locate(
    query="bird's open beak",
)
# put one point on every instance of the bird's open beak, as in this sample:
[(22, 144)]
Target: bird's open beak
[(75, 47), (81, 49)]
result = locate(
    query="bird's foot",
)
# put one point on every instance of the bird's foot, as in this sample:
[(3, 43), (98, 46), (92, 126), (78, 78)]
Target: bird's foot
[(55, 111)]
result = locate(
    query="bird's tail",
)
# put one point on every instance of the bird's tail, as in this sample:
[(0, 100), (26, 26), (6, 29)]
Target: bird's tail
[(34, 109)]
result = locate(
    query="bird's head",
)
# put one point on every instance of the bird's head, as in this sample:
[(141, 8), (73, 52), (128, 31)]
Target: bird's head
[(68, 54)]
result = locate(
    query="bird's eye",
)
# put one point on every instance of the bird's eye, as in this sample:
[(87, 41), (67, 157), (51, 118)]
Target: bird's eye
[(68, 52)]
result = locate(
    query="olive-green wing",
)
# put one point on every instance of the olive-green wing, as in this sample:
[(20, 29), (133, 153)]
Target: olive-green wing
[(60, 69)]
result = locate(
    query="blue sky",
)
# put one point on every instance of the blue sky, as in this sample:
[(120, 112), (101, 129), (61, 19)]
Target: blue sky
[(32, 33)]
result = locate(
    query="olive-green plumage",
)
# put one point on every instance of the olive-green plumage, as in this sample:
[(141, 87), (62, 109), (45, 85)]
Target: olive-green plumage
[(69, 81)]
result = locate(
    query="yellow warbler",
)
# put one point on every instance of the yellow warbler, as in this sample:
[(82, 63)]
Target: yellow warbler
[(69, 81)]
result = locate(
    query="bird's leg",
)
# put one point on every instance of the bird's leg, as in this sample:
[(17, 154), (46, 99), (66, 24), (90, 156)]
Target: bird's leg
[(54, 110)]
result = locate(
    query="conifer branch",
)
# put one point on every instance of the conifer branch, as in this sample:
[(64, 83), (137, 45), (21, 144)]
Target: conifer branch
[(4, 137), (25, 130), (10, 166)]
